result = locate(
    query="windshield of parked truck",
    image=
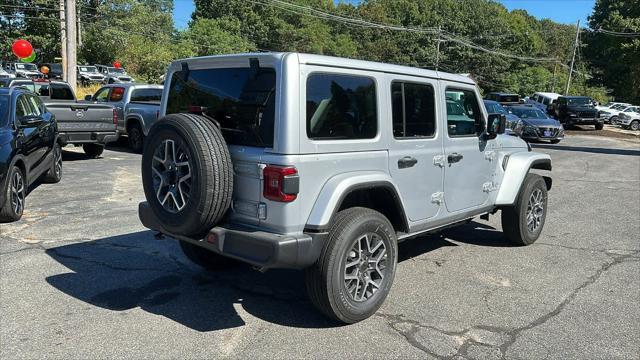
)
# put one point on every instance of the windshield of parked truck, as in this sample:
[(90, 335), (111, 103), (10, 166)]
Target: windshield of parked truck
[(91, 69), (241, 100), (4, 109), (523, 113), (579, 101), (495, 108), (26, 67), (113, 70)]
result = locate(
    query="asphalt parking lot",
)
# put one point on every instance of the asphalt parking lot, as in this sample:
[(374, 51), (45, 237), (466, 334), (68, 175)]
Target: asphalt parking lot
[(81, 278)]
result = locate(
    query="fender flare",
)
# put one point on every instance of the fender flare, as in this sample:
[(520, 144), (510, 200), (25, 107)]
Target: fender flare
[(338, 187), (136, 117), (518, 167)]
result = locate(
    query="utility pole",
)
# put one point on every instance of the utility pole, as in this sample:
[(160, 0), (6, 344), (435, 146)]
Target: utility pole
[(63, 41), (573, 58), (555, 72), (70, 8), (438, 49)]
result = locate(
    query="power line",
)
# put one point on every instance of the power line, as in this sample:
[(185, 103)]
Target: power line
[(617, 33)]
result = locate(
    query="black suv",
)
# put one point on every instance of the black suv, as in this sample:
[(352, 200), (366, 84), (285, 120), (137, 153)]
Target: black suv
[(576, 110), (29, 148)]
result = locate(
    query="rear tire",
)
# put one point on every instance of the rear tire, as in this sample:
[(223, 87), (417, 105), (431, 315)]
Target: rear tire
[(206, 259), (136, 138), (191, 192), (93, 150), (522, 223), (334, 282), (54, 175), (15, 193), (635, 125)]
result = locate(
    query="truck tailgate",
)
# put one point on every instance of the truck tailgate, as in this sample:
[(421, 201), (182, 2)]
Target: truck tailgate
[(83, 117)]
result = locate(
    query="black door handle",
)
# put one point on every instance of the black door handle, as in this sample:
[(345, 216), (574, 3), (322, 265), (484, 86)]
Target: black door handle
[(407, 162), (454, 158)]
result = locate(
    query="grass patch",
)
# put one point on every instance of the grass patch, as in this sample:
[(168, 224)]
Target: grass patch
[(82, 91)]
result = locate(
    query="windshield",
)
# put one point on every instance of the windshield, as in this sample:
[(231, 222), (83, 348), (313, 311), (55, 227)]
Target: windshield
[(55, 67), (241, 100), (579, 101), (494, 108), (528, 113), (618, 107), (510, 98), (113, 70), (4, 109), (26, 67), (88, 69)]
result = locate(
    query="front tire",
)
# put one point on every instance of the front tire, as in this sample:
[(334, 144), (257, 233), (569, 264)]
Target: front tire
[(355, 271), (15, 192), (522, 223), (599, 126), (635, 125), (93, 150)]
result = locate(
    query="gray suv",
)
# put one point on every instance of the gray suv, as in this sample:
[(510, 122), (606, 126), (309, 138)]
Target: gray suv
[(286, 160)]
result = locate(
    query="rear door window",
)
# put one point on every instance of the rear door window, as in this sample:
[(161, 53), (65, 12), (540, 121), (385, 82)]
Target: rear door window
[(61, 92), (341, 107), (413, 109), (241, 100), (117, 93), (146, 95)]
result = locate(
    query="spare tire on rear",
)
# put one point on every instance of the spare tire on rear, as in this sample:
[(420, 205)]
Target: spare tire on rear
[(187, 174)]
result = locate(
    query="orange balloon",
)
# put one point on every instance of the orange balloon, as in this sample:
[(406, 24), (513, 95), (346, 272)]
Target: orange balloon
[(44, 70)]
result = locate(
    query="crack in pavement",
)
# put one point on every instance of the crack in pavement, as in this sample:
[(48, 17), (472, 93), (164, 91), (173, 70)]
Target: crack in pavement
[(609, 252), (409, 328)]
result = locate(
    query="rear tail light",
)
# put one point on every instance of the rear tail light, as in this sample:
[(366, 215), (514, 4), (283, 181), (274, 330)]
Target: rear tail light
[(281, 183), (115, 117)]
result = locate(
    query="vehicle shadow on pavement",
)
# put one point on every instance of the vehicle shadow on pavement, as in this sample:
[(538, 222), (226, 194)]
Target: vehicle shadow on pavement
[(128, 271), (589, 149), (68, 155)]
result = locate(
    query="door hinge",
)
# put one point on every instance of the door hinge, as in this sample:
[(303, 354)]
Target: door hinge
[(489, 155), (437, 198), (438, 160), (489, 187)]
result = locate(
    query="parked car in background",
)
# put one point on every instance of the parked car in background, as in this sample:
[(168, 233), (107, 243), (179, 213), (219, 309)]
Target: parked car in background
[(542, 100), (114, 75), (137, 105), (5, 75), (611, 111), (629, 118), (620, 109), (29, 149), (576, 110), (88, 74), (610, 105), (535, 125), (55, 71), (503, 98), (494, 107), (24, 70), (319, 163), (79, 123)]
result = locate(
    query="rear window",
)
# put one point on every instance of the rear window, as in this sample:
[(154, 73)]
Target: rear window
[(4, 110), (146, 95), (241, 100), (509, 98), (341, 107)]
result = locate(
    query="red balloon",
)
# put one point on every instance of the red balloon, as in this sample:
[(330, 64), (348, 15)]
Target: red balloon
[(22, 48), (117, 65)]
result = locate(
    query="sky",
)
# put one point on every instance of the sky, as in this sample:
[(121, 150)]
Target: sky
[(562, 11)]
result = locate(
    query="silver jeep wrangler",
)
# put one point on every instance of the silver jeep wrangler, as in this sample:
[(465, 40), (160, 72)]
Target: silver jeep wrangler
[(286, 160)]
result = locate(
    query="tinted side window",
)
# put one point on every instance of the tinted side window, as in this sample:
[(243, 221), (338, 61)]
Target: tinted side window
[(241, 100), (36, 105), (341, 107), (413, 109), (146, 95), (61, 92), (546, 101), (464, 117)]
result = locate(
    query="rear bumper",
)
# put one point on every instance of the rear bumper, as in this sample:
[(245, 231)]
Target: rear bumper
[(88, 137), (259, 248)]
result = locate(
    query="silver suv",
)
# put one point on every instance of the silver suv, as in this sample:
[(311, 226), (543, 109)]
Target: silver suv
[(286, 160)]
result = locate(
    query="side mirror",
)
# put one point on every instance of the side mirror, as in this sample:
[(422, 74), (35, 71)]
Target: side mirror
[(29, 121), (87, 97), (497, 123)]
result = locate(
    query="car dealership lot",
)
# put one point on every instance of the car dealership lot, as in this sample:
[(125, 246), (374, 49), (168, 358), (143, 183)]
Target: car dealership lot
[(81, 278)]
